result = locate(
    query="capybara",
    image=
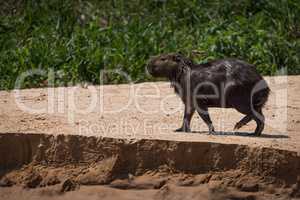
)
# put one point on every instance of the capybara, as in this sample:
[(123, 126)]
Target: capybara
[(225, 83)]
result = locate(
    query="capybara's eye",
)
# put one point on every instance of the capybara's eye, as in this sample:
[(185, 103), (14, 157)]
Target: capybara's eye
[(163, 59)]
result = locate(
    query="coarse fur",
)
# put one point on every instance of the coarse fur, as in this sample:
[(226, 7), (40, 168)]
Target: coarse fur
[(226, 83)]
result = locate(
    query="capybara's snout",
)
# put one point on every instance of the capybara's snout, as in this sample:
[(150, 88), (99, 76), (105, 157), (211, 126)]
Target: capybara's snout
[(149, 68)]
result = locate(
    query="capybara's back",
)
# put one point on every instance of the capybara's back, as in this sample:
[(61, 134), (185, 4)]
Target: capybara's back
[(244, 80)]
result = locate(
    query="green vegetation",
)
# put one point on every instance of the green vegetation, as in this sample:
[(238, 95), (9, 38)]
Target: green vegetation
[(78, 38)]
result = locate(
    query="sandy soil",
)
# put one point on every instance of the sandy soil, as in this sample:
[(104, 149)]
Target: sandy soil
[(146, 110), (118, 143), (168, 192)]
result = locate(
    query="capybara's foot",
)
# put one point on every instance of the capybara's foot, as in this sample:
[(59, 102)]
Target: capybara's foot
[(183, 129), (243, 122), (258, 130), (238, 125), (254, 135), (211, 130), (257, 134)]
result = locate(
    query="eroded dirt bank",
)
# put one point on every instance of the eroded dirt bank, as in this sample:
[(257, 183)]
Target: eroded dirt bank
[(54, 165)]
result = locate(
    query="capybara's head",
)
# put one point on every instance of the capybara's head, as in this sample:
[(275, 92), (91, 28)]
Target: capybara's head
[(166, 65)]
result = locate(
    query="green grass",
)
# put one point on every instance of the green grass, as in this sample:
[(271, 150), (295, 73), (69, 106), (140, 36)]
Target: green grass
[(77, 39)]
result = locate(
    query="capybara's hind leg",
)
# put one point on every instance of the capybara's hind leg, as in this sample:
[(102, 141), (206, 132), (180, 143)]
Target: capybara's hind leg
[(260, 122), (243, 121)]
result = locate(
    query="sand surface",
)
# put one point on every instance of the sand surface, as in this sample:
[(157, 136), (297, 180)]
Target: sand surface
[(146, 110)]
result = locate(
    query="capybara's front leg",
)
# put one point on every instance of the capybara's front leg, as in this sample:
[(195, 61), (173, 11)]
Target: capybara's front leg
[(188, 114)]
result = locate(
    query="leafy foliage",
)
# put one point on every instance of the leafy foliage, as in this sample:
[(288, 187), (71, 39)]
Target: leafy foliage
[(77, 39)]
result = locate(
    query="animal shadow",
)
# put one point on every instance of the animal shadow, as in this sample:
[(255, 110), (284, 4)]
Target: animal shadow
[(245, 134)]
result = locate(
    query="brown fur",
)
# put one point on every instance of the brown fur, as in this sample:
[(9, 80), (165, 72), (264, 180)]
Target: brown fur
[(235, 81)]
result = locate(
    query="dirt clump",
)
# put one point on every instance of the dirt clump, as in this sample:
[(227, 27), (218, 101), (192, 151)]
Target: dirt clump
[(33, 180), (69, 185)]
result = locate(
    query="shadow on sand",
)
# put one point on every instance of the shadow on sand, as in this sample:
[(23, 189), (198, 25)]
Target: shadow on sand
[(245, 134)]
